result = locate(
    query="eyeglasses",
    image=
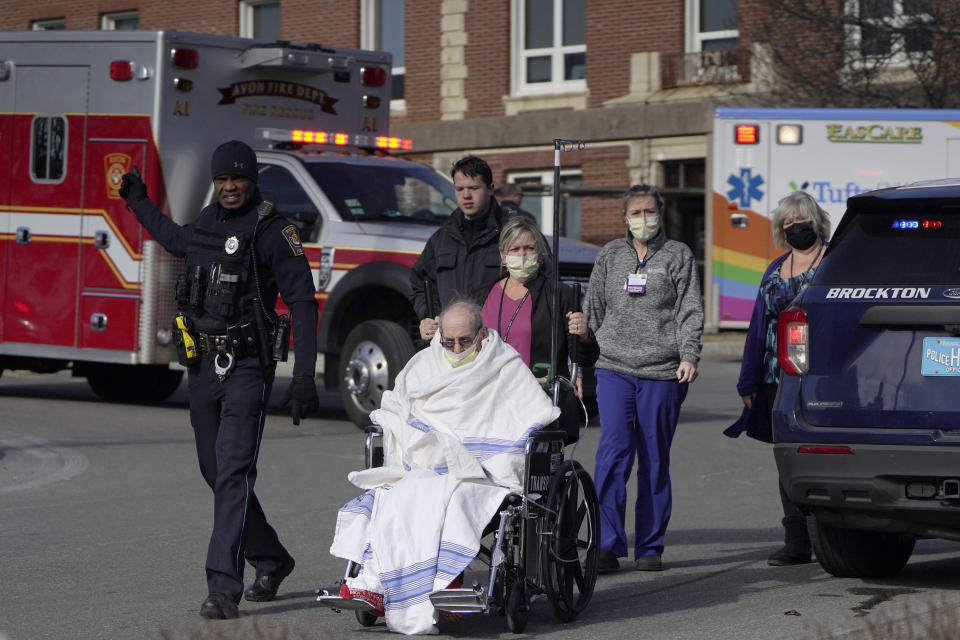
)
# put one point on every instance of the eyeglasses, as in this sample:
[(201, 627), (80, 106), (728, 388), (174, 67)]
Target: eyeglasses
[(464, 343)]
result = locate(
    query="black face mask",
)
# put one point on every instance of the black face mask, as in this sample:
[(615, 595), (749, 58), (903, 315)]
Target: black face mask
[(801, 235)]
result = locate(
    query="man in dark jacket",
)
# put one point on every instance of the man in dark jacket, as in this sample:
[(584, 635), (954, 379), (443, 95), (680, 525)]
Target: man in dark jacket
[(463, 254)]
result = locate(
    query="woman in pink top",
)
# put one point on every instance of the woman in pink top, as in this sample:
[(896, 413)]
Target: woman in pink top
[(519, 305)]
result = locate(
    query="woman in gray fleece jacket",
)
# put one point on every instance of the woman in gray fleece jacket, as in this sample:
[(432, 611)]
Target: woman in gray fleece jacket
[(644, 306)]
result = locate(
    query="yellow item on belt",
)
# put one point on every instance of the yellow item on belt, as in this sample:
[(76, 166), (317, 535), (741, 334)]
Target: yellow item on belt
[(188, 343)]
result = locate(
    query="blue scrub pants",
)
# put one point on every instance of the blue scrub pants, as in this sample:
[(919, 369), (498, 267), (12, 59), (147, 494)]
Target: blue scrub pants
[(637, 417)]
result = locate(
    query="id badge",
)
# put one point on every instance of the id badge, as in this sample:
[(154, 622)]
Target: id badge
[(636, 284)]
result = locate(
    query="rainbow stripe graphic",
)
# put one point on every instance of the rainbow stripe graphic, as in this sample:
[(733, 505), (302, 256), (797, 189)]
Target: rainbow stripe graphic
[(739, 258)]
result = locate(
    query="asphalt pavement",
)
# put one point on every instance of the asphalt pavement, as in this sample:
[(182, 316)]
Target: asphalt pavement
[(104, 522)]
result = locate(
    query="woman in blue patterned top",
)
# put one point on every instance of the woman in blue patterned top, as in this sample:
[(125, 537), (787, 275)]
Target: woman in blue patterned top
[(800, 225)]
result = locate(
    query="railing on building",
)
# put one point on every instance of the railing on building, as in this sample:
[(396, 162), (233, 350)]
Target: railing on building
[(725, 66)]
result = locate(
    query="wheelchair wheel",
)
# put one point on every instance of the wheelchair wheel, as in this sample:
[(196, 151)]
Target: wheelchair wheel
[(517, 608), (365, 618), (571, 553)]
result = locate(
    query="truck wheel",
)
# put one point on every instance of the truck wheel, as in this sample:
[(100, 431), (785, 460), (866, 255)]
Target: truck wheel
[(133, 383), (372, 356), (852, 553)]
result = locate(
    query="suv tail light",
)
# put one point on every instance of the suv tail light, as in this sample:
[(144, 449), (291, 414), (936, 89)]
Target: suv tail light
[(793, 341)]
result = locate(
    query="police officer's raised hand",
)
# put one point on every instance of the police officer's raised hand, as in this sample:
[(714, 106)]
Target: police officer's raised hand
[(303, 397), (132, 188)]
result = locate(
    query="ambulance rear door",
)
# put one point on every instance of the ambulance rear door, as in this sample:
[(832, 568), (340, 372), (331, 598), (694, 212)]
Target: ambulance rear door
[(112, 250), (45, 203)]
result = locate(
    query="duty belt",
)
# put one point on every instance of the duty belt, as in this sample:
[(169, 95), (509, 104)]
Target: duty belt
[(213, 342)]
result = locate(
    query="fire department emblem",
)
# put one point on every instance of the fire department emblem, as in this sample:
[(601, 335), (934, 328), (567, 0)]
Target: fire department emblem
[(293, 239), (231, 245), (115, 165)]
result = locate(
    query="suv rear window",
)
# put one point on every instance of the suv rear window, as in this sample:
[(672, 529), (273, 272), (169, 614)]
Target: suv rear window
[(891, 248), (405, 192)]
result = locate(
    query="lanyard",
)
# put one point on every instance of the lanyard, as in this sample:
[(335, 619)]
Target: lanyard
[(503, 292), (646, 259), (803, 276)]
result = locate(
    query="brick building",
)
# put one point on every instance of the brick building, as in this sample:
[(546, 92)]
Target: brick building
[(637, 80)]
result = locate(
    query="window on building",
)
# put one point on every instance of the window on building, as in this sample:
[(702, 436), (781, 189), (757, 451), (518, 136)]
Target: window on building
[(260, 19), (50, 24), (549, 46), (383, 30), (48, 145), (890, 29), (120, 21), (711, 25), (538, 199)]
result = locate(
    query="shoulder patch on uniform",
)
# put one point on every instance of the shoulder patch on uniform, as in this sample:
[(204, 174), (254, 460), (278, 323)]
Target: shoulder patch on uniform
[(293, 239)]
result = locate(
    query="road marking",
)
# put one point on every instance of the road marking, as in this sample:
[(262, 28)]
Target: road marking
[(50, 464)]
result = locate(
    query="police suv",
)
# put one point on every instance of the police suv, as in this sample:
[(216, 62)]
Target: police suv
[(867, 419)]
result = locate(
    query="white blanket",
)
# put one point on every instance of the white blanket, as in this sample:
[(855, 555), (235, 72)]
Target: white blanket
[(455, 436)]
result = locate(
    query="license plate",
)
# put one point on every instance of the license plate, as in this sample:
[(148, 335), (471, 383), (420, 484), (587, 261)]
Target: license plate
[(941, 357)]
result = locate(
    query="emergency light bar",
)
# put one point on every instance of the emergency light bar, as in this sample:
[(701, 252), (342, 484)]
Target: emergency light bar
[(303, 136)]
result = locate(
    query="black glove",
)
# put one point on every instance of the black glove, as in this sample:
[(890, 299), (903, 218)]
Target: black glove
[(132, 188), (303, 397)]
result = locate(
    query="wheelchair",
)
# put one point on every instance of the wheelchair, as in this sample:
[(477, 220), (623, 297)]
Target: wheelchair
[(543, 542)]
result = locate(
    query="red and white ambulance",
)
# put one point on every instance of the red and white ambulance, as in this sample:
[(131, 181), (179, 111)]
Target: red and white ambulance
[(83, 287)]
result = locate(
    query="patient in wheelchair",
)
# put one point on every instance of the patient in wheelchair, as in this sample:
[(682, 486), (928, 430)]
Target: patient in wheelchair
[(454, 430)]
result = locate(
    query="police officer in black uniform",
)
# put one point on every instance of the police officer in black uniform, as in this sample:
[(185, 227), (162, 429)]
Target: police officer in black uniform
[(239, 256)]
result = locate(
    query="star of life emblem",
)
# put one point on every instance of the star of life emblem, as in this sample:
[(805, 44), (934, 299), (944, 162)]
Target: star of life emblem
[(231, 245)]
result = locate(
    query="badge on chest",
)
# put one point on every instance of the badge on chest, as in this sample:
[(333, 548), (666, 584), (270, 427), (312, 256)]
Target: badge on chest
[(636, 284)]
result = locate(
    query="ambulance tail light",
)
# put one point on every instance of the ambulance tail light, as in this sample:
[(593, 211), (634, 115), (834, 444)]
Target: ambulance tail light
[(373, 76), (185, 58), (121, 70), (746, 134), (793, 341)]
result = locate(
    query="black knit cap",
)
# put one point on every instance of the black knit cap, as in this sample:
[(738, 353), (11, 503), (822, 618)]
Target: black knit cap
[(234, 158)]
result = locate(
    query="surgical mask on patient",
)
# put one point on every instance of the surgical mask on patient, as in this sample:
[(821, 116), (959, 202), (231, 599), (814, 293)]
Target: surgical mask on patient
[(523, 267), (464, 357), (644, 228)]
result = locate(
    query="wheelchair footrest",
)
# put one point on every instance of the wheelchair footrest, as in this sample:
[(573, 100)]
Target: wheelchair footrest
[(338, 603), (459, 600)]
